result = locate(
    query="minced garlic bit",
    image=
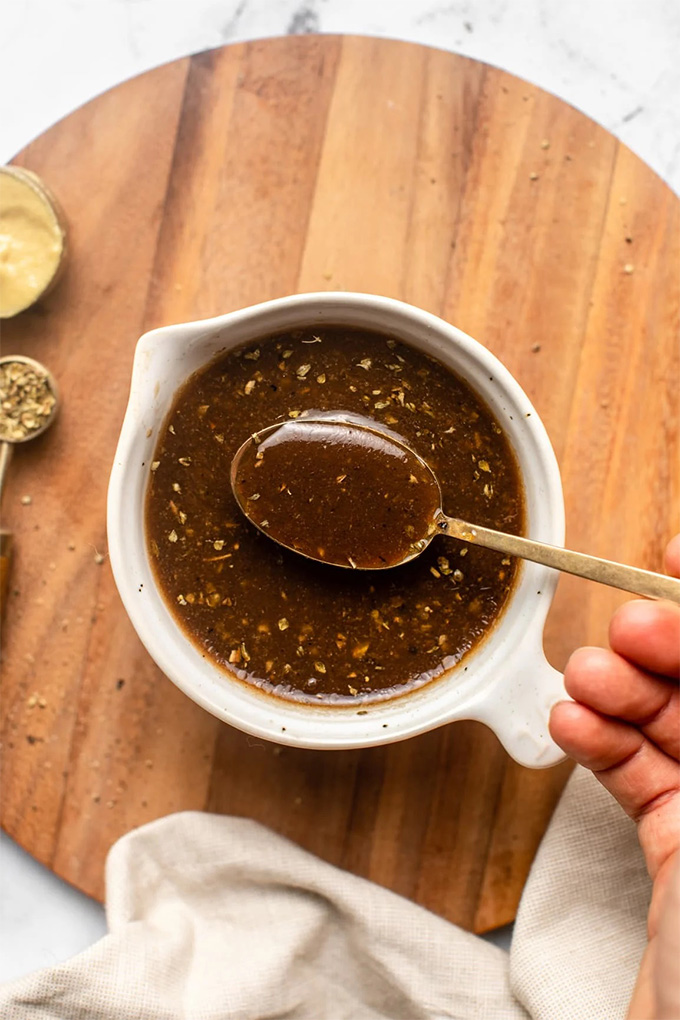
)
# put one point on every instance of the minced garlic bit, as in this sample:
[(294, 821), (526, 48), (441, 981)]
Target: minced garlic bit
[(172, 536), (283, 624), (249, 387)]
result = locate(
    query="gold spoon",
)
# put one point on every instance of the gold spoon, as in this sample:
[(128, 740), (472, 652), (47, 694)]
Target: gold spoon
[(351, 495), (32, 387)]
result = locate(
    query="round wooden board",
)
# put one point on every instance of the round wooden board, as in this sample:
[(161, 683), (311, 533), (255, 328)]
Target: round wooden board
[(301, 164)]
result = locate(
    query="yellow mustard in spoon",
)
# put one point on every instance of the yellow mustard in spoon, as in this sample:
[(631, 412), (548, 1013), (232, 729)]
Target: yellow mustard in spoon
[(32, 240)]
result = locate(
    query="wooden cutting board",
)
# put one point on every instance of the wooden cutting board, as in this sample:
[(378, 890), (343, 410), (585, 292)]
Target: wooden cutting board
[(300, 164)]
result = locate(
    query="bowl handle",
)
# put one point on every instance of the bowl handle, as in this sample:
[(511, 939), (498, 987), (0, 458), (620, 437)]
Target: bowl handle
[(519, 711)]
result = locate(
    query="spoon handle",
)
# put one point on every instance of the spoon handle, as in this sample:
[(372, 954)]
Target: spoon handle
[(618, 575)]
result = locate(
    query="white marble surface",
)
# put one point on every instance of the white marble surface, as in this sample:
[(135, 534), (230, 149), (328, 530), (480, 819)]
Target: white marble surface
[(615, 59)]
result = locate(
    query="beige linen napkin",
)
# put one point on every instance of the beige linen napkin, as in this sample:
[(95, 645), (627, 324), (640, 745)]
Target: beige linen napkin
[(213, 918)]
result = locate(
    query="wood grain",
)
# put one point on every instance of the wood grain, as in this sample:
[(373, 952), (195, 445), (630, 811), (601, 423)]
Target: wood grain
[(327, 163), (5, 568)]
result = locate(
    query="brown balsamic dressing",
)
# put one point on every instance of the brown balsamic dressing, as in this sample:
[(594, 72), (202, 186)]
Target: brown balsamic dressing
[(337, 491), (312, 631)]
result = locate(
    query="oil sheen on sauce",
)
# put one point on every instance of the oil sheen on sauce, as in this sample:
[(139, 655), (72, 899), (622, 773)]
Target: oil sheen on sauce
[(313, 631)]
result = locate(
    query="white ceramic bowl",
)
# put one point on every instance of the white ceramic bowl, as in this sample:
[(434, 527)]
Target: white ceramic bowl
[(505, 682)]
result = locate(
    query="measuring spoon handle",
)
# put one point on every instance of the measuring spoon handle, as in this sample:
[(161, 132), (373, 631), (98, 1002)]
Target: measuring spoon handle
[(5, 537), (617, 575)]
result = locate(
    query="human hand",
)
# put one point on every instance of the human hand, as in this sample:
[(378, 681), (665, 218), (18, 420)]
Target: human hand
[(624, 725)]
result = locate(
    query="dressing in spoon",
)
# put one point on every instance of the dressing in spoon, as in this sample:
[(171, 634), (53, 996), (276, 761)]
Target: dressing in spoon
[(348, 494)]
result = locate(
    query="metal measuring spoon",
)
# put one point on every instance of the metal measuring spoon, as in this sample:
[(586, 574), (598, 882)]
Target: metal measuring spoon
[(29, 401), (351, 495)]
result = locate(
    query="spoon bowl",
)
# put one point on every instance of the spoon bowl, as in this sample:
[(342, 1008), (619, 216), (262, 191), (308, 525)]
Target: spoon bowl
[(302, 481), (41, 374), (41, 409)]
